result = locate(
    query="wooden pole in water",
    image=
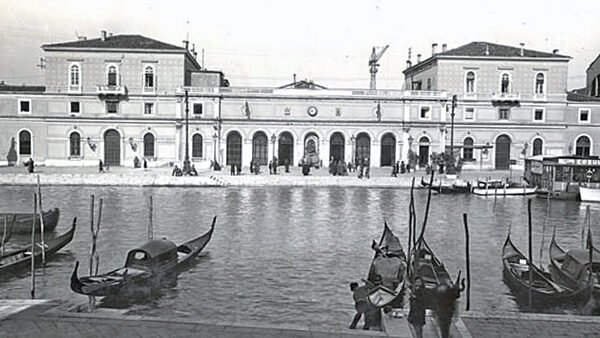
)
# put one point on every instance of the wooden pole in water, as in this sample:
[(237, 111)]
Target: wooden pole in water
[(96, 256), (468, 261), (591, 253), (91, 299), (410, 227), (32, 257), (495, 197), (41, 212), (4, 235), (544, 230), (530, 249), (587, 221), (150, 225)]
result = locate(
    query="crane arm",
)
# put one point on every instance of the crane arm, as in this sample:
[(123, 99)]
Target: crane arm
[(376, 55)]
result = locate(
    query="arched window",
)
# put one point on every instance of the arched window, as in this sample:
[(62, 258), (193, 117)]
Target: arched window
[(505, 83), (197, 145), (148, 145), (149, 77), (25, 143), (112, 76), (74, 79), (582, 146), (539, 83), (470, 82), (75, 144), (468, 149), (538, 144)]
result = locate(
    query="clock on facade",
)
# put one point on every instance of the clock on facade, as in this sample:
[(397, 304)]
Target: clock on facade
[(312, 111)]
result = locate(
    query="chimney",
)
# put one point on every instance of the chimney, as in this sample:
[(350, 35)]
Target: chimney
[(294, 78), (81, 38), (444, 47), (408, 64), (110, 34), (103, 35), (433, 49), (555, 51), (522, 51), (418, 58)]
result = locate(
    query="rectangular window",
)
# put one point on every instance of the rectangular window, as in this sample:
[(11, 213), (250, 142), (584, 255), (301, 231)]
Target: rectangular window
[(538, 114), (75, 107), (112, 107), (25, 106), (197, 109), (416, 85), (338, 111), (425, 113), (503, 113), (469, 114), (584, 115), (428, 84), (148, 108)]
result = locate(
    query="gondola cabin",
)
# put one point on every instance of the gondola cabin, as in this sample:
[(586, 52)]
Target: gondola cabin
[(561, 176), (154, 255), (575, 266)]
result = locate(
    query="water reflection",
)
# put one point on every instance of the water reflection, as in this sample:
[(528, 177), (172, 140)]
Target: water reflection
[(286, 255)]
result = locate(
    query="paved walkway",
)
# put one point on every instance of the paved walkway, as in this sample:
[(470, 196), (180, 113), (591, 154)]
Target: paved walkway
[(123, 176), (54, 318)]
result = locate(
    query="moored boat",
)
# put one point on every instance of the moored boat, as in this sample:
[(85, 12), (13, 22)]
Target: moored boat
[(448, 186), (145, 269), (544, 291), (502, 188), (387, 273), (15, 260), (587, 194), (572, 268), (23, 221)]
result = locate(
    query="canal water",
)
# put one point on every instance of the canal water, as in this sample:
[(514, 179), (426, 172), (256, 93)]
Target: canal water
[(282, 255)]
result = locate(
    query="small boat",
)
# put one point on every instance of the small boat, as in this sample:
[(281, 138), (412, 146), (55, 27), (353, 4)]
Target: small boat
[(571, 268), (502, 188), (449, 186), (24, 221), (588, 194), (145, 269), (22, 258), (387, 274), (544, 291)]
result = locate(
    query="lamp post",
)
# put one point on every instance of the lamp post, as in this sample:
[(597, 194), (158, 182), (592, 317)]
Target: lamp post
[(353, 140), (273, 140), (215, 149), (187, 169), (451, 167)]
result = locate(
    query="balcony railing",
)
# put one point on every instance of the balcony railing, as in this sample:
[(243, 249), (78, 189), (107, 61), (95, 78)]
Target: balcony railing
[(506, 97), (111, 90)]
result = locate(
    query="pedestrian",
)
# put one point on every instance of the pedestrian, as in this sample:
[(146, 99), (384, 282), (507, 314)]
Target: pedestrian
[(331, 165), (416, 314), (360, 169), (408, 168), (176, 171), (193, 171), (30, 165), (286, 163), (275, 165), (100, 166), (252, 166), (360, 294), (232, 172), (367, 166), (402, 167), (394, 174), (146, 164), (397, 167), (270, 167), (239, 168)]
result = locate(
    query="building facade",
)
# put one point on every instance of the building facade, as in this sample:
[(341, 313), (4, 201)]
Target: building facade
[(118, 98)]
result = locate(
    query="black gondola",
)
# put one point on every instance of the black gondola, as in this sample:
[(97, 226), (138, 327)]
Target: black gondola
[(22, 221), (387, 274), (571, 268), (455, 186), (22, 258), (145, 269)]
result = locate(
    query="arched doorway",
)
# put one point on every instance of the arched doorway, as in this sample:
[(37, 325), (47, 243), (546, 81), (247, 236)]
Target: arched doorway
[(388, 150), (336, 146), (538, 145), (502, 152), (423, 151), (363, 147), (582, 146), (234, 148), (260, 148), (311, 149), (24, 143), (112, 147), (286, 148)]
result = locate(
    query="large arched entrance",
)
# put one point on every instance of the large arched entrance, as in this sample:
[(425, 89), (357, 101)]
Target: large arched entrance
[(423, 151), (234, 148), (363, 147), (311, 149), (502, 152), (388, 150), (336, 146), (260, 148), (286, 148), (112, 147)]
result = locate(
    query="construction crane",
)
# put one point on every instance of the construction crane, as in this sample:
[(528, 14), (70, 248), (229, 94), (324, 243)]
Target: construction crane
[(375, 56)]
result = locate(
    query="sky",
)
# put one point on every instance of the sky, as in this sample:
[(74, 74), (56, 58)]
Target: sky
[(264, 42)]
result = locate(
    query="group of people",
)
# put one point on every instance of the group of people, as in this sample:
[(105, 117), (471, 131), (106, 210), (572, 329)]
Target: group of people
[(340, 168), (400, 168), (179, 172)]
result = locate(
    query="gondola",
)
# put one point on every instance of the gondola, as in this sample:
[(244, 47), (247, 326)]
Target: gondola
[(387, 273), (544, 291), (571, 268), (23, 221), (456, 186), (15, 260), (146, 268), (6, 231)]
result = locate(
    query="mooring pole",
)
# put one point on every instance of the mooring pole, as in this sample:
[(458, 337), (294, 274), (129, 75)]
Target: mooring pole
[(467, 256), (41, 213), (530, 250), (35, 203)]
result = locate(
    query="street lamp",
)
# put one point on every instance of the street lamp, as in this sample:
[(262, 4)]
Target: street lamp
[(353, 140), (215, 150), (187, 168), (273, 140), (451, 167)]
